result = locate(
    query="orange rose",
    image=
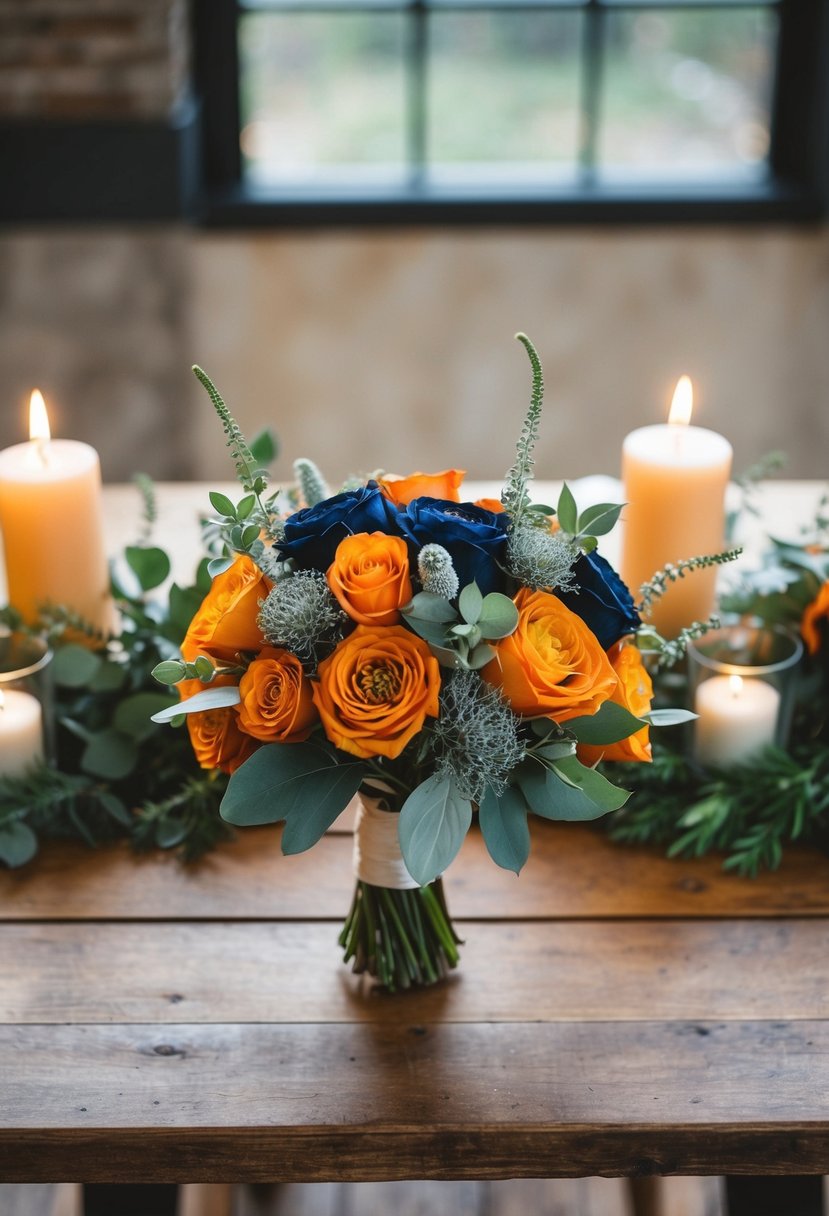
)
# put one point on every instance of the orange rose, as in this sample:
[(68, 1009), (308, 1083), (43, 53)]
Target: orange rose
[(277, 706), (217, 740), (490, 504), (813, 617), (401, 490), (634, 691), (551, 666), (376, 690), (226, 621), (370, 577)]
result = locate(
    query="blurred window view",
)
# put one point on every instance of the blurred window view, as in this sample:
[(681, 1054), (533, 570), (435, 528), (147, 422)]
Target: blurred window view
[(498, 95)]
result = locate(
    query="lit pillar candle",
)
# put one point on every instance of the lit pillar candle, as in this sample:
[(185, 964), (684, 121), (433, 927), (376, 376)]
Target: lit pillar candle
[(736, 719), (21, 732), (675, 477), (51, 519)]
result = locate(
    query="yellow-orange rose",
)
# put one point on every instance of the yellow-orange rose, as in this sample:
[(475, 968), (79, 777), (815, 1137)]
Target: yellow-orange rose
[(376, 690), (817, 612), (370, 577), (217, 740), (276, 706), (445, 485), (551, 666), (226, 621), (634, 691)]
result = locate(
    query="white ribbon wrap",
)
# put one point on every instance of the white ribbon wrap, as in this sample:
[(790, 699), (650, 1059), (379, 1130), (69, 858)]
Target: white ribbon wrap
[(377, 857)]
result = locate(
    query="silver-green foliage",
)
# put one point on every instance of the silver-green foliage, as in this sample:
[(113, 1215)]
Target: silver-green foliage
[(514, 494), (476, 736), (248, 472), (312, 484), (437, 574), (540, 559), (301, 614)]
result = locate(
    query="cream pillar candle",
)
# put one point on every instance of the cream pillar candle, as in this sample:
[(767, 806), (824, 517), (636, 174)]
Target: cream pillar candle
[(736, 719), (21, 732), (675, 477), (51, 520)]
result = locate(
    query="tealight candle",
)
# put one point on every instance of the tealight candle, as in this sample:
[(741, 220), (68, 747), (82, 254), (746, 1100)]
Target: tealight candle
[(675, 477), (51, 519), (21, 732), (736, 718)]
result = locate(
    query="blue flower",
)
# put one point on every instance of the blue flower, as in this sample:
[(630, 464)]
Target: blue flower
[(602, 601), (474, 537), (313, 534)]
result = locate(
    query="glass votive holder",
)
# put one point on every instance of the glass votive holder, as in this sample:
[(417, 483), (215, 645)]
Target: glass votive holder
[(27, 709), (743, 685)]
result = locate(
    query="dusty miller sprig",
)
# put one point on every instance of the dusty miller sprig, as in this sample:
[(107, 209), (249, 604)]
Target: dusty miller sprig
[(514, 495)]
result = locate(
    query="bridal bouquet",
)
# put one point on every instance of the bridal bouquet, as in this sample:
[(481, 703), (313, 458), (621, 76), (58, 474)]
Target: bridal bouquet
[(436, 658)]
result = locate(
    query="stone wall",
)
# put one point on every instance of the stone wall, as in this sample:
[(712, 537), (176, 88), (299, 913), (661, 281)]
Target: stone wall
[(92, 58)]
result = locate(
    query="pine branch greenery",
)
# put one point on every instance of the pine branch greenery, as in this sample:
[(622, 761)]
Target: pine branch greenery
[(656, 587), (749, 812), (251, 477), (514, 496)]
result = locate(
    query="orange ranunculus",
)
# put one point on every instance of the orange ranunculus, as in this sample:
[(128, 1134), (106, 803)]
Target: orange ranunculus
[(217, 740), (490, 504), (277, 706), (552, 665), (634, 691), (815, 614), (370, 577), (226, 621), (376, 690), (401, 490)]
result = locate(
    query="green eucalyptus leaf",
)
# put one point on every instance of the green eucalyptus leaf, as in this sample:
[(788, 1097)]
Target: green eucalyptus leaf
[(203, 577), (505, 829), (249, 536), (564, 793), (588, 544), (204, 668), (169, 832), (133, 715), (426, 606), (169, 672), (74, 666), (470, 603), (184, 604), (431, 631), (211, 698), (609, 724), (600, 519), (499, 616), (264, 447), (222, 504), (218, 565), (558, 749), (669, 717), (446, 657), (245, 507), (151, 566), (464, 630), (109, 677), (18, 843), (434, 820), (567, 511), (110, 754), (298, 782), (479, 657), (115, 808)]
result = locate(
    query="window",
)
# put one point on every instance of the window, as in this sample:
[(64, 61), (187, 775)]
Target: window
[(514, 109)]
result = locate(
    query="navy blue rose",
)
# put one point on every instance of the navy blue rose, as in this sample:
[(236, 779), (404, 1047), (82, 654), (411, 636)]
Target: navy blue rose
[(313, 534), (474, 537), (602, 601)]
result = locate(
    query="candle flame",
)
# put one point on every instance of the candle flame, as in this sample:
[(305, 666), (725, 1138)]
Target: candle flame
[(2, 700), (682, 404), (38, 418), (735, 684)]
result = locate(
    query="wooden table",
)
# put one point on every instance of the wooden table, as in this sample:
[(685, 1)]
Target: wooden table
[(615, 1013)]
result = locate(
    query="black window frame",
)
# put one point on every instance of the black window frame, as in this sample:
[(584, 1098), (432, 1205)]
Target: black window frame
[(795, 190)]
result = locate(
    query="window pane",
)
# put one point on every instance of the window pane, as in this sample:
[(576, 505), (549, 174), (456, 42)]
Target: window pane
[(503, 95), (322, 98), (687, 94)]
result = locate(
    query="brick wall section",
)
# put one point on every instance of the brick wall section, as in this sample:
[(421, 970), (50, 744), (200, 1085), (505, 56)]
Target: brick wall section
[(84, 59)]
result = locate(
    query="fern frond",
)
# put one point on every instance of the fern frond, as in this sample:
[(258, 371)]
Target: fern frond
[(514, 495), (656, 587), (252, 478)]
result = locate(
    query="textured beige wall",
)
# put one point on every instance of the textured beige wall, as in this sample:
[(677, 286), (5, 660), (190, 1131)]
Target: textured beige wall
[(396, 349)]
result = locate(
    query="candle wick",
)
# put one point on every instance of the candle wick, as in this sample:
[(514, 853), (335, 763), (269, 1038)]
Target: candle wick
[(40, 449)]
